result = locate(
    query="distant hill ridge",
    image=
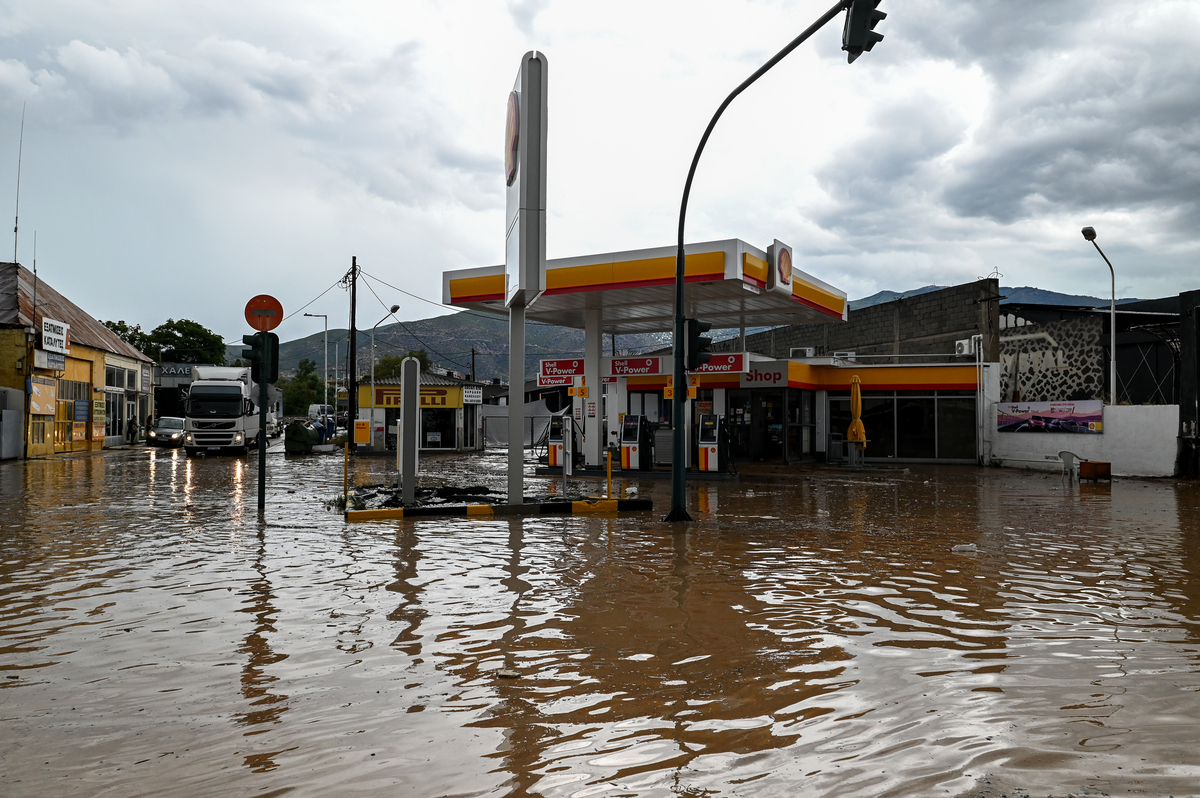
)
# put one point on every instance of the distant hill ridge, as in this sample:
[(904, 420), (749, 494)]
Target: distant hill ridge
[(1025, 295)]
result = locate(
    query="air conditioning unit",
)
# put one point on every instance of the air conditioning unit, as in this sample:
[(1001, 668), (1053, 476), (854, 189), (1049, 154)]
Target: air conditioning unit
[(964, 347), (844, 355), (803, 351)]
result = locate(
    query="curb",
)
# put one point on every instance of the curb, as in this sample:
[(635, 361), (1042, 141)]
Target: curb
[(553, 508)]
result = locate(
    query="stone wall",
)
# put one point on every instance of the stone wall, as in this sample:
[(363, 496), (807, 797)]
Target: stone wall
[(923, 324)]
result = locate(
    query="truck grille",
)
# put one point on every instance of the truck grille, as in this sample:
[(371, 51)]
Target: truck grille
[(213, 424), (219, 438)]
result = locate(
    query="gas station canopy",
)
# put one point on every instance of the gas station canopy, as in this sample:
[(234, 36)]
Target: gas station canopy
[(729, 283)]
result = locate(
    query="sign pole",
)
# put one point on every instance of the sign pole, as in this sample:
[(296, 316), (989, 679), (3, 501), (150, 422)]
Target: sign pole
[(263, 385)]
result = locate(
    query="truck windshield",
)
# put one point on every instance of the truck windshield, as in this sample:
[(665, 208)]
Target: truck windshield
[(215, 401)]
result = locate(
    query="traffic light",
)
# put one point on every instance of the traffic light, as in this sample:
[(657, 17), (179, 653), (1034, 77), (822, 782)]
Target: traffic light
[(859, 33), (699, 348), (264, 360)]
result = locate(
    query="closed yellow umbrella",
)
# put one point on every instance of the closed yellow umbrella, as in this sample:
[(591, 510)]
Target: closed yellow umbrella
[(857, 432)]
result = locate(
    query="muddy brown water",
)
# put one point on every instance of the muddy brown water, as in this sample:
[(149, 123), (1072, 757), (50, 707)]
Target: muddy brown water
[(812, 633)]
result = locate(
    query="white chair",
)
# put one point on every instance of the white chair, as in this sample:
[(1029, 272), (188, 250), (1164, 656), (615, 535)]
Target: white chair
[(1069, 461)]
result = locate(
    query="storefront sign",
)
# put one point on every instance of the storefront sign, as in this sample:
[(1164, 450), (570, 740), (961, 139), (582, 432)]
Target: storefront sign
[(635, 365), (769, 374), (43, 393), (146, 378), (362, 431), (550, 382), (723, 364), (562, 368), (431, 396), (472, 394), (1083, 417), (56, 336), (51, 361)]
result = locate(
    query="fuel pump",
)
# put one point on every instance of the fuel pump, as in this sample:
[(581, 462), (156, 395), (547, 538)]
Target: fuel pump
[(636, 448), (712, 444), (554, 447)]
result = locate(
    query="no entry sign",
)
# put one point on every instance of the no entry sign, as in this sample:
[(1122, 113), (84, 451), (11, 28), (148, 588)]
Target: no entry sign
[(264, 312)]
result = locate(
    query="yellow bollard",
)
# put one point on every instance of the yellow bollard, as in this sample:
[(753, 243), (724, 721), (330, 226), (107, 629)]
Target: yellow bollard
[(609, 458)]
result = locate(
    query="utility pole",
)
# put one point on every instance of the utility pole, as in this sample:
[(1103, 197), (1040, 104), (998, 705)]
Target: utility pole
[(472, 364), (352, 374)]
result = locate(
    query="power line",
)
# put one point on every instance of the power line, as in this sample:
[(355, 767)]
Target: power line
[(428, 348)]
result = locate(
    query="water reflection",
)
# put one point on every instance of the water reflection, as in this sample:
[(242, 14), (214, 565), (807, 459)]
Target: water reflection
[(812, 633)]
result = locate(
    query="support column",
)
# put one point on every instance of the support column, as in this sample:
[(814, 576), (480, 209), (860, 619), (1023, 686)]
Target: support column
[(516, 404), (593, 345)]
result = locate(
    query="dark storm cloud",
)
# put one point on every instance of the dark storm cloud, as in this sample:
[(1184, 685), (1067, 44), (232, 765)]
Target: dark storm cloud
[(1090, 107)]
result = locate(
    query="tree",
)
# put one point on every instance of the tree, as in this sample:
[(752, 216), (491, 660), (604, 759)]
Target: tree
[(389, 365), (186, 341), (134, 336), (302, 390)]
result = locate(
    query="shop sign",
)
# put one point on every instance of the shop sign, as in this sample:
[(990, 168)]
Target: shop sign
[(79, 424), (472, 394), (175, 370), (769, 374), (390, 395), (43, 394), (1082, 417), (635, 365), (362, 431), (562, 368), (723, 364), (550, 382), (51, 361), (56, 336), (146, 383)]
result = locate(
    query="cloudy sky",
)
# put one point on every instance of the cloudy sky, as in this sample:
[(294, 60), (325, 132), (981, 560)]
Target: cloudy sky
[(180, 158)]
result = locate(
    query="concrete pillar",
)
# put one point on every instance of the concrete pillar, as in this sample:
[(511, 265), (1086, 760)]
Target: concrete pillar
[(593, 344)]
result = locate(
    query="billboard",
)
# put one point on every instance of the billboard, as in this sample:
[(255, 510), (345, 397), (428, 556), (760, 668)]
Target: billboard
[(1075, 417)]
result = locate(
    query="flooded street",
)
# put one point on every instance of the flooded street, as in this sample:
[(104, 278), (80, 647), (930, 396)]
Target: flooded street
[(813, 633)]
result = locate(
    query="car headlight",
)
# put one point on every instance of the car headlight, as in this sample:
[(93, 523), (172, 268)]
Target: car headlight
[(153, 434), (174, 435)]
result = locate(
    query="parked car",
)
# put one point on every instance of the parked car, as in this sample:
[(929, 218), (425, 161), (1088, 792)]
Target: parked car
[(167, 431)]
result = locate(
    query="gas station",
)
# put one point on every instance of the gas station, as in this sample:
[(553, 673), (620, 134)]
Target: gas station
[(760, 407)]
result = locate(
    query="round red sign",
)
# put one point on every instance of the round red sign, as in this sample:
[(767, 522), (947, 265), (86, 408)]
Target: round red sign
[(264, 312)]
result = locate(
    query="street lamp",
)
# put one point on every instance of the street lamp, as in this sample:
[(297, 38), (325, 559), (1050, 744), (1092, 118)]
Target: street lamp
[(1089, 233), (381, 321), (324, 316)]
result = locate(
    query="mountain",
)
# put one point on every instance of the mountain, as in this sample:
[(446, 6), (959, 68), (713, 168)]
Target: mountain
[(1024, 295), (449, 340)]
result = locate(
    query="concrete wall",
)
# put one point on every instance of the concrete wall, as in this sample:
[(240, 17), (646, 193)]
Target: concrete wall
[(1139, 441)]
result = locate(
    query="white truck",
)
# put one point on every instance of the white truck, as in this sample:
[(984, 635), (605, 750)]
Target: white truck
[(221, 412)]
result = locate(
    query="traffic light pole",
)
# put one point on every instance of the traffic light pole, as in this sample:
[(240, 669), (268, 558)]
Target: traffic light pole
[(678, 460), (267, 367)]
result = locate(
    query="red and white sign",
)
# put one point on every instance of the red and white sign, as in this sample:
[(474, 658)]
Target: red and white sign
[(626, 367), (723, 364), (550, 382), (562, 368)]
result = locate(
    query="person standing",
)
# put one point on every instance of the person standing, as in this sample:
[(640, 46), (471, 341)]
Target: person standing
[(132, 430)]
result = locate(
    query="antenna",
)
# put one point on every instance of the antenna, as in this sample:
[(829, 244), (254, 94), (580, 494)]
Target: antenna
[(17, 214)]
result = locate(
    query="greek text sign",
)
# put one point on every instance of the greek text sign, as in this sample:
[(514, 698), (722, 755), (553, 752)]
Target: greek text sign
[(55, 336)]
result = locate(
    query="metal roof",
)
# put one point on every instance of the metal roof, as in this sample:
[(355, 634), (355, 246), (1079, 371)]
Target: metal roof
[(16, 310)]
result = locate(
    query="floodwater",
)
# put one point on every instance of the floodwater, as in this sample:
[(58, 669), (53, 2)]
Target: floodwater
[(812, 633)]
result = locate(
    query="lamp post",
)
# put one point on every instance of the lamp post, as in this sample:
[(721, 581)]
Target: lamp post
[(1089, 233), (381, 321), (324, 316)]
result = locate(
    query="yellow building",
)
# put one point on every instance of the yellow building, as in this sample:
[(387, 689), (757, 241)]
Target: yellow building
[(68, 383)]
